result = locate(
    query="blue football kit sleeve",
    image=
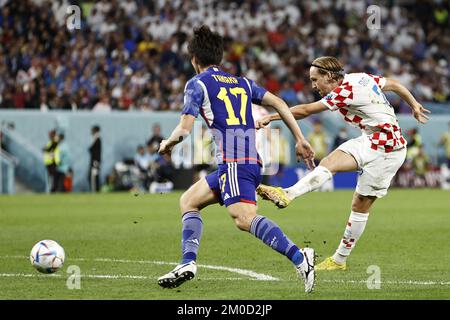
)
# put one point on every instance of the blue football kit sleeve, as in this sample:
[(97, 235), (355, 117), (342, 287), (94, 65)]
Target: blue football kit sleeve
[(193, 98), (257, 92)]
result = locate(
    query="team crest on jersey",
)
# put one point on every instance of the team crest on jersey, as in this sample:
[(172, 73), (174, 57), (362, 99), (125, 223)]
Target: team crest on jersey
[(331, 96), (364, 81)]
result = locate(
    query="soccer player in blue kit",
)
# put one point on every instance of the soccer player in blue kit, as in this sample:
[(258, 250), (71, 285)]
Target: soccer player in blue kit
[(224, 101)]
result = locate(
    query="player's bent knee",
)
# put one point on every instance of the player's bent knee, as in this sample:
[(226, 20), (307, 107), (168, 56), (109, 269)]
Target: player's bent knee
[(186, 203), (327, 163), (362, 203), (358, 208), (242, 224), (243, 214)]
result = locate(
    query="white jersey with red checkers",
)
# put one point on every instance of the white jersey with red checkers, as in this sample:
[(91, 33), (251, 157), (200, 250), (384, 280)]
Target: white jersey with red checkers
[(362, 103)]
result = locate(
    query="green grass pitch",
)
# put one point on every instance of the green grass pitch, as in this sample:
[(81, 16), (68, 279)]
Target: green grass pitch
[(122, 243)]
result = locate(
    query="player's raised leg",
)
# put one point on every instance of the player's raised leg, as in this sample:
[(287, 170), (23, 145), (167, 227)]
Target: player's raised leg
[(246, 219), (197, 197), (353, 231), (337, 161)]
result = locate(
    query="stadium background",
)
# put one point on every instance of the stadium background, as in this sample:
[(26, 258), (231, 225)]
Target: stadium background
[(125, 69)]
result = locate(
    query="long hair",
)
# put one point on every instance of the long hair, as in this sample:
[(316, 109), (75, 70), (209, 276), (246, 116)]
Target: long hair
[(331, 65)]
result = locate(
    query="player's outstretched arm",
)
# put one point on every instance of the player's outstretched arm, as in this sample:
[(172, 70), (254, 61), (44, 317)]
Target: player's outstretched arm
[(299, 111), (417, 109), (303, 148), (182, 130)]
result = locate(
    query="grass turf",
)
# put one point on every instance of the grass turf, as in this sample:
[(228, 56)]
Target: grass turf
[(130, 239)]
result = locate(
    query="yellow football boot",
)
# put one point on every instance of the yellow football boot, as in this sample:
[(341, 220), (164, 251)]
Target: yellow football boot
[(330, 264), (274, 194)]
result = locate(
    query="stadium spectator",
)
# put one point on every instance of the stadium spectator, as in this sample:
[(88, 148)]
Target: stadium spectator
[(445, 142), (110, 184), (203, 154), (163, 172), (282, 148), (95, 151), (414, 143), (103, 104), (153, 153), (19, 98), (155, 139), (64, 170), (143, 161), (319, 141), (164, 169), (2, 142), (52, 159), (288, 94), (420, 164), (340, 138)]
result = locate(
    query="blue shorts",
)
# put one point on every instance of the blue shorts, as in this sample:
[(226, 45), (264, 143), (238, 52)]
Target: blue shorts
[(233, 182)]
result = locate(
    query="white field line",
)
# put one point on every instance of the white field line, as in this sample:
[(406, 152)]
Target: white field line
[(244, 272), (253, 275), (249, 273), (98, 276)]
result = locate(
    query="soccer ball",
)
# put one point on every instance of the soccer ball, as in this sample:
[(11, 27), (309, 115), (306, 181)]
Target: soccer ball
[(47, 256)]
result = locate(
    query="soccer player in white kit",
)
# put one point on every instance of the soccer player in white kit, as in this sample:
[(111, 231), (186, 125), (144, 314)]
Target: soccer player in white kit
[(378, 153)]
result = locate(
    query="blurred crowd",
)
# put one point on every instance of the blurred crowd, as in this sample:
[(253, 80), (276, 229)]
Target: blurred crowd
[(132, 54)]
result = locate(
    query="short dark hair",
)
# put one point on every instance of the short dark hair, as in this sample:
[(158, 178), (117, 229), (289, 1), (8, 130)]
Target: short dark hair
[(206, 46), (96, 128)]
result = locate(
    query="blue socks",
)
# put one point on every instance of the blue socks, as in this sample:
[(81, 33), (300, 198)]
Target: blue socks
[(261, 227), (192, 233), (273, 236)]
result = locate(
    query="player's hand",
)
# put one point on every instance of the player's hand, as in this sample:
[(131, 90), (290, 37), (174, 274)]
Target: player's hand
[(164, 147), (304, 151), (419, 113), (263, 122)]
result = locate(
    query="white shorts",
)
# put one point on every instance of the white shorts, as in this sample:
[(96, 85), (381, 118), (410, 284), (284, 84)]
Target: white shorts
[(377, 168)]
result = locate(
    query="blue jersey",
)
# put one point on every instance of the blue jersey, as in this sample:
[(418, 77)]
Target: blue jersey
[(225, 103)]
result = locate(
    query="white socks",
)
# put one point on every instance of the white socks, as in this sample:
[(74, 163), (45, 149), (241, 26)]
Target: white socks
[(357, 221), (355, 227), (310, 182)]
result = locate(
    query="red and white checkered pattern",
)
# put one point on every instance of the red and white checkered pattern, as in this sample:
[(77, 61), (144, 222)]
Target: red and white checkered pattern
[(340, 97), (364, 106), (348, 243), (353, 119), (388, 139), (379, 80)]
